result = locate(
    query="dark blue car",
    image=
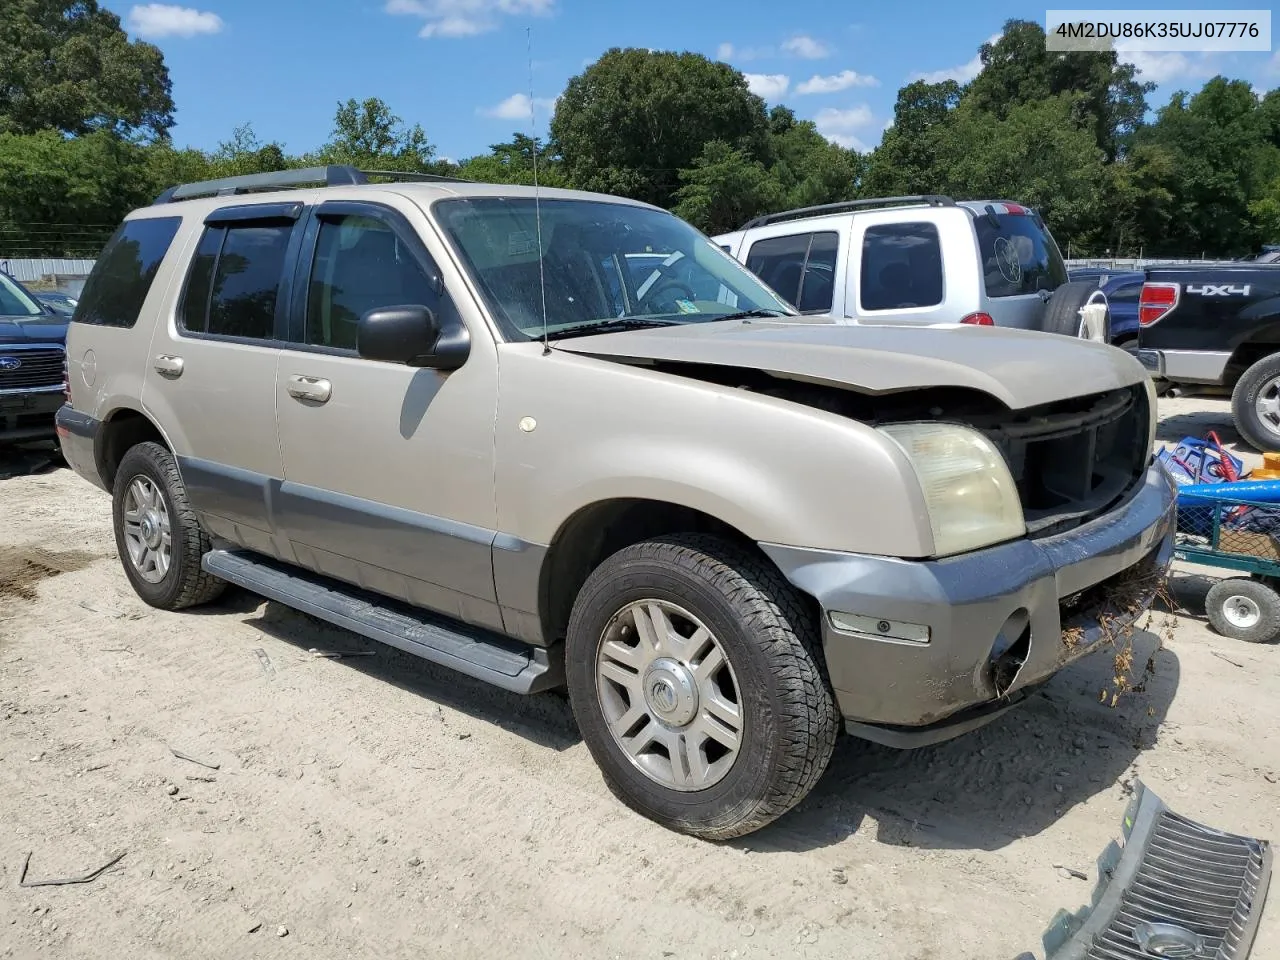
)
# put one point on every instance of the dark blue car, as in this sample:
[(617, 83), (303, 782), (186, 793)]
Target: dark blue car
[(1122, 291), (32, 348)]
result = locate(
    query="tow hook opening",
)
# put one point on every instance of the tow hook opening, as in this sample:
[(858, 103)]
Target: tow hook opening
[(1009, 652)]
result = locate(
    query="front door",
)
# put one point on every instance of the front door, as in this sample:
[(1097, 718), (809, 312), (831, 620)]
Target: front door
[(388, 468), (211, 369)]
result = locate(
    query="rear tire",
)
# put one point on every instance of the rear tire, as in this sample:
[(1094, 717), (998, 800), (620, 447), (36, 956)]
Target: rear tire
[(1062, 312), (656, 723), (157, 535), (1244, 609), (1255, 404)]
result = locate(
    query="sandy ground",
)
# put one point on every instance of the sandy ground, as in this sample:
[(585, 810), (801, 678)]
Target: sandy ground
[(381, 807)]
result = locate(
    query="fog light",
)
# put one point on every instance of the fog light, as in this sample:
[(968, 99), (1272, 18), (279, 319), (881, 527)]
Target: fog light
[(899, 631)]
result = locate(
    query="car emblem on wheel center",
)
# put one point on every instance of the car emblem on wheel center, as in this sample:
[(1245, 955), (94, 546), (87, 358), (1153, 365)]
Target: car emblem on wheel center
[(10, 363)]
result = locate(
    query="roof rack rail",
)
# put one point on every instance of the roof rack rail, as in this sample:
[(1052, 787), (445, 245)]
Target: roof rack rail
[(334, 175), (932, 199)]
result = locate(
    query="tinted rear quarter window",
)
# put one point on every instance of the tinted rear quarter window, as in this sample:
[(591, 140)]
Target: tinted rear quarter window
[(1018, 255), (118, 285), (234, 281), (901, 267)]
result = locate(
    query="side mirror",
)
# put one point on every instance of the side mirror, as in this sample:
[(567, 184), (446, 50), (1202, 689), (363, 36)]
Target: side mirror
[(411, 335)]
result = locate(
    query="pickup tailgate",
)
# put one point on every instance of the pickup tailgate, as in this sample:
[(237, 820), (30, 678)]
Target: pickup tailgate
[(1210, 307)]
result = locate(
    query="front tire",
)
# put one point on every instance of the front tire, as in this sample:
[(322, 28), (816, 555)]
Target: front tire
[(695, 674), (1244, 609), (1255, 404), (157, 536)]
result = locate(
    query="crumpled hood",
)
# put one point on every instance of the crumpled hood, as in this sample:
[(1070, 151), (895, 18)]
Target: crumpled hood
[(44, 329), (1018, 367)]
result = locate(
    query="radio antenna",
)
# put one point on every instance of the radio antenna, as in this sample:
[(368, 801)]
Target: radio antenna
[(537, 195)]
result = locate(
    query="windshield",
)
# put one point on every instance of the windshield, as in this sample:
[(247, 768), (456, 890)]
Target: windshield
[(604, 266), (16, 302)]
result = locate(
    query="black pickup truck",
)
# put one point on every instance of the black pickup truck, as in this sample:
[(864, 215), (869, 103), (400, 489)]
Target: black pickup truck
[(32, 369), (1215, 330)]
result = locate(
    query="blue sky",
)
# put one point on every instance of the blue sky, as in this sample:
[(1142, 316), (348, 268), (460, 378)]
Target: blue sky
[(461, 67)]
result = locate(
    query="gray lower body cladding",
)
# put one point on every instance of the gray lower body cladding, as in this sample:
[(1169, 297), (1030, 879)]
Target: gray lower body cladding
[(1000, 621)]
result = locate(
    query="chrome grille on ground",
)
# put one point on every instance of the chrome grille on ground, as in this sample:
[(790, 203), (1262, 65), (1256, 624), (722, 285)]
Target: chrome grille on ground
[(24, 369), (1177, 889)]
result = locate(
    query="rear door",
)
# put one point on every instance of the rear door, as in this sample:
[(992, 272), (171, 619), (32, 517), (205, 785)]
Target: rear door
[(896, 274), (211, 374)]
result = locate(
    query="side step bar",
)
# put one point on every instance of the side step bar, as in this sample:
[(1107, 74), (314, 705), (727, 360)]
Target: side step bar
[(473, 651)]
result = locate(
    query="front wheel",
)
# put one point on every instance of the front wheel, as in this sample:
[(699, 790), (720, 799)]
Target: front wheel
[(695, 676), (157, 535), (1244, 609)]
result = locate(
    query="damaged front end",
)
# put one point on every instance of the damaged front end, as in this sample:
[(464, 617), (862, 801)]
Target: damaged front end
[(1175, 889)]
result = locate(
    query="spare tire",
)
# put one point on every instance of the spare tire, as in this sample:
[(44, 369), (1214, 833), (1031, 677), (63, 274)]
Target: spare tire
[(1062, 314)]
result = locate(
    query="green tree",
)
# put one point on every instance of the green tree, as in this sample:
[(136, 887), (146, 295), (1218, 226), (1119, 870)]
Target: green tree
[(68, 65), (367, 135), (1226, 158), (807, 167), (513, 162), (1018, 69), (634, 119), (63, 196), (908, 158), (724, 188)]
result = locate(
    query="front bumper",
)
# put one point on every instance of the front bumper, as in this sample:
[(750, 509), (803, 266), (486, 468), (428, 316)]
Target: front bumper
[(1016, 599), (28, 414)]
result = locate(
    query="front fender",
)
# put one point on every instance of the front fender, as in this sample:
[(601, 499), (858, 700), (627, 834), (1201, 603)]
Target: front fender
[(575, 430)]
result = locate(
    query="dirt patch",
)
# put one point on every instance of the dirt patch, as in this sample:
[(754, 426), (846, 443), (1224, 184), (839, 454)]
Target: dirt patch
[(22, 568)]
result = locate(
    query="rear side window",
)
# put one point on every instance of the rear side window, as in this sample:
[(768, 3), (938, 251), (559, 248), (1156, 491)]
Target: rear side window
[(800, 268), (901, 267), (235, 279), (1018, 255), (122, 276)]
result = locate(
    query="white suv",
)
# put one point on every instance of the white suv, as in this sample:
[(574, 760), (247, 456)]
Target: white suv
[(920, 260)]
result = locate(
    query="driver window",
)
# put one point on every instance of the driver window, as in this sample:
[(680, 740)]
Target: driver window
[(360, 265)]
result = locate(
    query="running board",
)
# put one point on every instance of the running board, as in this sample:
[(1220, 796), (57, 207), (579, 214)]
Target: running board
[(474, 651)]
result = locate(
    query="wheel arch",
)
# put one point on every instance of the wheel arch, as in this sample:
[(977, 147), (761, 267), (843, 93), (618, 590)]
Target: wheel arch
[(123, 428), (600, 529)]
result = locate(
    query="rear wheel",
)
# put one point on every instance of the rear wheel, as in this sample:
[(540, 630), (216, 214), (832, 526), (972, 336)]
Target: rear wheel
[(157, 536), (1244, 609), (1255, 404), (695, 676)]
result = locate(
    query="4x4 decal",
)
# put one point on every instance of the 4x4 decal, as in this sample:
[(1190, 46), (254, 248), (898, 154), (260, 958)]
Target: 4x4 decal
[(1219, 290)]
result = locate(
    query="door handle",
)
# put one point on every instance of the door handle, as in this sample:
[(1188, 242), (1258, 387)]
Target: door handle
[(309, 388), (168, 365)]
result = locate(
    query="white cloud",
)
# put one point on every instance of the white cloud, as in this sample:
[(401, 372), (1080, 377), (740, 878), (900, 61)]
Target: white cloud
[(724, 51), (465, 18), (806, 48), (155, 20), (961, 74), (1163, 67), (518, 106), (841, 126), (837, 82), (727, 51), (770, 86)]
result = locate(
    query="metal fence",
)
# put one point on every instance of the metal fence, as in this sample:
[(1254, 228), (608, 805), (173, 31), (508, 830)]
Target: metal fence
[(1130, 264)]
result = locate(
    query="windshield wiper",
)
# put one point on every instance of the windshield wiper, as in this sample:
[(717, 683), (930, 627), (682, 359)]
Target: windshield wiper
[(610, 326), (754, 314)]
